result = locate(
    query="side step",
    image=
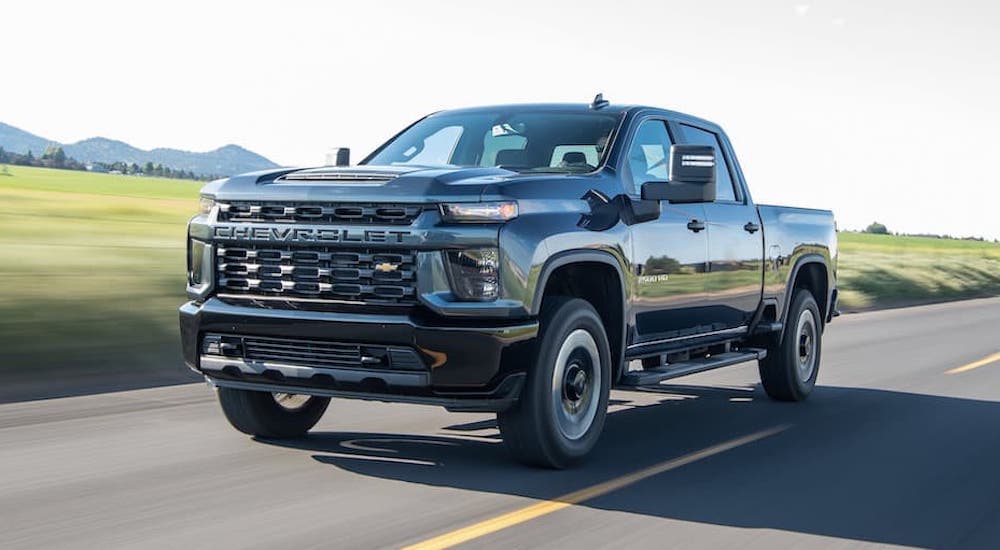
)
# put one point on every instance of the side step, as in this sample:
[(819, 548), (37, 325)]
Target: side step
[(651, 377)]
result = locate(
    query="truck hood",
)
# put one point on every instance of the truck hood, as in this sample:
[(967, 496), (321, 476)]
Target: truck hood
[(363, 184)]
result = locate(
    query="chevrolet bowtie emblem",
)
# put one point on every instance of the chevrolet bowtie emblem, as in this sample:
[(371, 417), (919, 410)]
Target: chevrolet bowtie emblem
[(386, 267)]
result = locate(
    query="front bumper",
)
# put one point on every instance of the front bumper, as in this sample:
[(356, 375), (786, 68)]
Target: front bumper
[(461, 366)]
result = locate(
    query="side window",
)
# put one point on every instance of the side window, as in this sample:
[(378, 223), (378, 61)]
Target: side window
[(723, 180), (436, 150), (649, 154)]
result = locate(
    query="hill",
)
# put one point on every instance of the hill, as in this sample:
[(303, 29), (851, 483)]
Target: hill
[(224, 161), (17, 140)]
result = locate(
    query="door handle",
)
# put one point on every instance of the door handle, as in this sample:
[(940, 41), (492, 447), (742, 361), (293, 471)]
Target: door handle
[(751, 227), (696, 225)]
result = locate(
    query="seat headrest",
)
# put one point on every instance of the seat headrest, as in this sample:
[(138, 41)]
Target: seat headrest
[(512, 157)]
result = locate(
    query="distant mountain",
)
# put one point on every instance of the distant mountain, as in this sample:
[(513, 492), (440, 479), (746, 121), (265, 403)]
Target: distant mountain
[(224, 161), (17, 140)]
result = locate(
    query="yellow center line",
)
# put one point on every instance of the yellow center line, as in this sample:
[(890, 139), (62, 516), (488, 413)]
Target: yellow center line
[(976, 364), (547, 507)]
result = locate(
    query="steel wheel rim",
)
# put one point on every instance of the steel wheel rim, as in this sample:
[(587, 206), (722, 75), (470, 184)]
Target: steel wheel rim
[(576, 383), (291, 401), (806, 345)]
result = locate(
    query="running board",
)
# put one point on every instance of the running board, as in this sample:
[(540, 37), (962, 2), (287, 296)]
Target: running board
[(651, 377)]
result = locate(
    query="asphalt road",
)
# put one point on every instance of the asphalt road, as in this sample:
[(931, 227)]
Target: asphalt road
[(890, 450)]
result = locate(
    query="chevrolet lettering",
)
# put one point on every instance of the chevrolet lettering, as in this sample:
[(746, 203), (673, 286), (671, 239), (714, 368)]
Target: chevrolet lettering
[(307, 234), (519, 260)]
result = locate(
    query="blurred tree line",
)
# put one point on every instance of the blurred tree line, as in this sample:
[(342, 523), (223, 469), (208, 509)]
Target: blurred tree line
[(876, 228), (55, 157)]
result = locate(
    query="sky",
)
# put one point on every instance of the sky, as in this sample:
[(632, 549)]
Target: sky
[(880, 109)]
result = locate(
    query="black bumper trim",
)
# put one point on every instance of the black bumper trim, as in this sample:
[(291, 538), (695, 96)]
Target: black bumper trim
[(459, 355), (498, 400)]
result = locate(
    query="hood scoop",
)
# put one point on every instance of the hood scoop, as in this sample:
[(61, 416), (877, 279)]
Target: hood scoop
[(339, 176)]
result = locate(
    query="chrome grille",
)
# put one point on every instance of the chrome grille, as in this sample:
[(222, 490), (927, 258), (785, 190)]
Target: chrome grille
[(343, 274), (319, 213), (313, 353), (302, 352)]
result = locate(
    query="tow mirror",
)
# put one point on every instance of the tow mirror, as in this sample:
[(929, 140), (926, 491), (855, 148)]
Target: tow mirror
[(692, 176)]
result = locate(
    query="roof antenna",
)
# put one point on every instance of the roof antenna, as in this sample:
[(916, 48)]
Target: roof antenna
[(599, 102)]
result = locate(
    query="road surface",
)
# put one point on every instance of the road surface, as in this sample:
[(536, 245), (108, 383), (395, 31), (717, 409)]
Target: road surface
[(895, 447)]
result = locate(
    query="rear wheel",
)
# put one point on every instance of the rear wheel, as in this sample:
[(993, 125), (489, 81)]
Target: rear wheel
[(789, 371), (561, 412), (275, 415)]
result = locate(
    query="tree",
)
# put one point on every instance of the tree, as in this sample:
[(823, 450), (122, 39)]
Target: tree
[(3, 155), (55, 155), (877, 229), (148, 169), (662, 265)]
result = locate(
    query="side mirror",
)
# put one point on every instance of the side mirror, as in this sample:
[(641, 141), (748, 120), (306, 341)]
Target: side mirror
[(340, 156), (692, 176)]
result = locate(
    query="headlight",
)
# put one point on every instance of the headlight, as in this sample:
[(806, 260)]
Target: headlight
[(479, 211), (474, 273), (205, 205)]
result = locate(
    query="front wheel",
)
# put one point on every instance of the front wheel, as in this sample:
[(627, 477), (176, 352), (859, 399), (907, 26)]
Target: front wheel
[(789, 371), (561, 412), (274, 415)]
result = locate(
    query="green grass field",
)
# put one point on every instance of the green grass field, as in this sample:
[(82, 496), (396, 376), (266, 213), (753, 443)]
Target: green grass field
[(885, 270), (92, 269)]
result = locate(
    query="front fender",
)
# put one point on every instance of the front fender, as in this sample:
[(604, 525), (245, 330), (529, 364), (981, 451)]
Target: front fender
[(534, 245)]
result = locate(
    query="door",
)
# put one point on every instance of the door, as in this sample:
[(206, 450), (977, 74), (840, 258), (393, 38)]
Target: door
[(670, 254), (734, 282)]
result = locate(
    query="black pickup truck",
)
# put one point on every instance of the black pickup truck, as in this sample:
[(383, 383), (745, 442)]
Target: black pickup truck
[(522, 260)]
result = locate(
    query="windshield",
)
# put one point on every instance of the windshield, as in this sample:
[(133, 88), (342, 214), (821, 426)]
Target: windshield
[(521, 141)]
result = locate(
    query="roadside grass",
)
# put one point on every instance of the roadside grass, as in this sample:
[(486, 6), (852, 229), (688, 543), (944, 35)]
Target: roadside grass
[(92, 269), (92, 272), (877, 271)]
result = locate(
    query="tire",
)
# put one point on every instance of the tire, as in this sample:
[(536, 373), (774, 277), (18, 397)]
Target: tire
[(789, 371), (561, 411), (261, 414)]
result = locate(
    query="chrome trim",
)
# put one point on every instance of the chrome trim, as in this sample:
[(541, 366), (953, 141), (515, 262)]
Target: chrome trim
[(346, 274), (202, 291), (339, 176), (253, 297), (734, 331), (323, 212), (410, 379), (420, 236), (523, 329)]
